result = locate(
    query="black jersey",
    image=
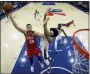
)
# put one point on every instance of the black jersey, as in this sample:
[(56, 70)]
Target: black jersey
[(55, 32)]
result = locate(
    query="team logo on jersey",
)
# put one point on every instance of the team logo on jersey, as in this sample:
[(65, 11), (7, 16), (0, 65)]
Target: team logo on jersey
[(30, 37)]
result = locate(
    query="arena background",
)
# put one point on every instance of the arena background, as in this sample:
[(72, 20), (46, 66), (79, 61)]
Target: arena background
[(13, 48)]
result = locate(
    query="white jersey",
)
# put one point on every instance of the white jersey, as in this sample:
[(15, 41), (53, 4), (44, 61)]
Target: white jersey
[(44, 46), (58, 37), (43, 43)]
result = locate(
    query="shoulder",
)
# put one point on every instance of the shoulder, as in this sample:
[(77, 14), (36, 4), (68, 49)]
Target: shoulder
[(25, 32)]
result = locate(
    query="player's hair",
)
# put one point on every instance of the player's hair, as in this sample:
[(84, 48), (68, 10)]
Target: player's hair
[(28, 25), (59, 25)]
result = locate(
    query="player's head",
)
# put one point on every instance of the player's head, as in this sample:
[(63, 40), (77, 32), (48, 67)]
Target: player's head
[(59, 26), (29, 27)]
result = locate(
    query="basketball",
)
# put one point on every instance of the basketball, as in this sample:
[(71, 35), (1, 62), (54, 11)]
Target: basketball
[(8, 7)]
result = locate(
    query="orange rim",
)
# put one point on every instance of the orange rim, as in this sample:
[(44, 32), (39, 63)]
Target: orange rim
[(78, 47)]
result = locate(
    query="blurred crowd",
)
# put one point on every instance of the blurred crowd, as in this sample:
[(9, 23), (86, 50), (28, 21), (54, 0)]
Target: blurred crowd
[(16, 4), (83, 5)]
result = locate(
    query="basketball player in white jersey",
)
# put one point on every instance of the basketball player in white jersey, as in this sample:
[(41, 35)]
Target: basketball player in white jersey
[(49, 35), (45, 41), (44, 45)]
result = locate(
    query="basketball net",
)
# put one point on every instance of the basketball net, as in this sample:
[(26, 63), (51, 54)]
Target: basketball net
[(81, 55)]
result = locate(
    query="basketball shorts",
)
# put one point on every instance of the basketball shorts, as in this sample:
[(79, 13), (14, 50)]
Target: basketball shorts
[(44, 50), (32, 52)]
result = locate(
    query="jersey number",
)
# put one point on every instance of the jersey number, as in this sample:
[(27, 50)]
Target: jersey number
[(31, 41)]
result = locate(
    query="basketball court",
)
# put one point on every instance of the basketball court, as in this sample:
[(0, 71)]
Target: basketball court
[(69, 60)]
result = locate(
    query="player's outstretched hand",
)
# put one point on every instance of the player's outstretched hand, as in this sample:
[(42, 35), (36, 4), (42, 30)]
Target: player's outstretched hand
[(47, 10)]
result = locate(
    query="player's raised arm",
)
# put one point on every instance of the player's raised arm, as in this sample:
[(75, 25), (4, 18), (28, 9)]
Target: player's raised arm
[(45, 14), (15, 24), (45, 25), (46, 32), (44, 17)]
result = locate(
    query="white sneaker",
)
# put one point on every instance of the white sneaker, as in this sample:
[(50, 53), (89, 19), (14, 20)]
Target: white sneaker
[(42, 65), (48, 70), (32, 69)]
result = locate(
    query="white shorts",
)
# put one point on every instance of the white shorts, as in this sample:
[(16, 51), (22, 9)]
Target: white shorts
[(57, 38), (44, 46)]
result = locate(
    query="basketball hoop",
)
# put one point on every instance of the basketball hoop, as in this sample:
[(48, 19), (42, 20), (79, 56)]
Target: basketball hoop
[(81, 63), (79, 48)]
